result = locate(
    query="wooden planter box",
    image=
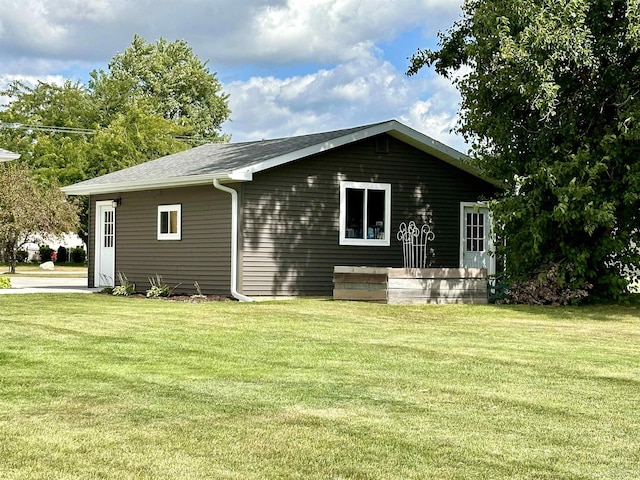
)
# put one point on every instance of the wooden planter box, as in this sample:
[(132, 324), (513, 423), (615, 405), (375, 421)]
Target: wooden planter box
[(410, 285)]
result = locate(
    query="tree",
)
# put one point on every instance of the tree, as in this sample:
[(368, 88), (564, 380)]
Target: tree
[(153, 100), (28, 211), (550, 104), (170, 80)]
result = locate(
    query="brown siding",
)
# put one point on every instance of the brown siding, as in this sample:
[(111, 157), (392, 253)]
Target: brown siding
[(291, 215), (203, 254), (91, 240)]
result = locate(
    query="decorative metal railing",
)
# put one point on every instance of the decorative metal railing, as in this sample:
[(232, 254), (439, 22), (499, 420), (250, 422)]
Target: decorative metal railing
[(414, 244)]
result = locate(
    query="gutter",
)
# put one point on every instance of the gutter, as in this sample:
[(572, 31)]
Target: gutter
[(234, 241)]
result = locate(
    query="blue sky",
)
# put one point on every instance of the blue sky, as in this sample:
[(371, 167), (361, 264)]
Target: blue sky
[(290, 66)]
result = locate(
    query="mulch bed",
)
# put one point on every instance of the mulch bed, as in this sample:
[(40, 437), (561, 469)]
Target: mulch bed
[(184, 298), (196, 298)]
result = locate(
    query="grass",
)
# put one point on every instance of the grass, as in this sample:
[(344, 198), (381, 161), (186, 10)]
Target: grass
[(103, 387)]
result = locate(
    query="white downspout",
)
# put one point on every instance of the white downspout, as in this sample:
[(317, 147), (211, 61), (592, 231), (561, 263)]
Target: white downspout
[(234, 241)]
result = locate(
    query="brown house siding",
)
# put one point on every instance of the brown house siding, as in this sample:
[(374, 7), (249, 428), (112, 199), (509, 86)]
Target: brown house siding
[(291, 215), (202, 255)]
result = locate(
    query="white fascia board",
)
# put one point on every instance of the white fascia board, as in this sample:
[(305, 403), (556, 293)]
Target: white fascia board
[(243, 175), (426, 143), (138, 185), (7, 156), (439, 150)]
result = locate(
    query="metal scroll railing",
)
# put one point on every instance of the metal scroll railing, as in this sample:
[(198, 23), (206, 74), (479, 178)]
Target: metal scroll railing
[(414, 244)]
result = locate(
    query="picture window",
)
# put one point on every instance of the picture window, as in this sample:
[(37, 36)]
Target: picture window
[(365, 213)]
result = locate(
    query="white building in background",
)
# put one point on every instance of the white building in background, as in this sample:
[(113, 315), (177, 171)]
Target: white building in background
[(67, 240)]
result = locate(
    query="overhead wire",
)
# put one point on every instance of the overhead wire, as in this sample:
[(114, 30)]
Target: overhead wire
[(80, 131)]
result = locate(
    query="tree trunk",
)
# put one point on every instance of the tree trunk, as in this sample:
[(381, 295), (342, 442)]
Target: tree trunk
[(10, 252)]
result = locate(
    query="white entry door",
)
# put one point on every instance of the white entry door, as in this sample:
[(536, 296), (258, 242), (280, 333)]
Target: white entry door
[(475, 237), (105, 244)]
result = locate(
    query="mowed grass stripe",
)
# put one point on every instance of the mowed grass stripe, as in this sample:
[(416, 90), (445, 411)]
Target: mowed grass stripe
[(104, 387)]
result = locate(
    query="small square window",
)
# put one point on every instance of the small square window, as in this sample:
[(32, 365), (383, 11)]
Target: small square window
[(169, 222)]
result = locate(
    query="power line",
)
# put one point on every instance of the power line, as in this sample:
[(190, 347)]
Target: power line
[(80, 131), (47, 128)]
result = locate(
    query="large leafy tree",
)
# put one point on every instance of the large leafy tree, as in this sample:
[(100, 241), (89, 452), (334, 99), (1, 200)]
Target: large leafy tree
[(551, 105), (28, 211), (170, 81), (153, 100)]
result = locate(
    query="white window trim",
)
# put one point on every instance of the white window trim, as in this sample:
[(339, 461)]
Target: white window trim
[(170, 208), (374, 242)]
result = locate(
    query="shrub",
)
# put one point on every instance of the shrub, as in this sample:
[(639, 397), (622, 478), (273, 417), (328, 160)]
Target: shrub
[(125, 288), (22, 256), (63, 255), (78, 255), (5, 282), (159, 288), (46, 253)]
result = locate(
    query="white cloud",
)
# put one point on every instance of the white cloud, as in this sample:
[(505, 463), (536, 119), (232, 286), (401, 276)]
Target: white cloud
[(361, 91), (355, 84), (223, 31), (338, 30), (30, 80)]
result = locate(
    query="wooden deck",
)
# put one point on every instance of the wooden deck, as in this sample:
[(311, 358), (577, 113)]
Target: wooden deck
[(410, 285)]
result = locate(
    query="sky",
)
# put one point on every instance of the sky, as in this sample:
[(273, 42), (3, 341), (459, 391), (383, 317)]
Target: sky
[(291, 67)]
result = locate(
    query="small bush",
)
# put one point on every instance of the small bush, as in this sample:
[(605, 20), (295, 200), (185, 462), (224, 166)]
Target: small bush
[(22, 256), (46, 253), (125, 288), (159, 288), (5, 282), (78, 255), (63, 255)]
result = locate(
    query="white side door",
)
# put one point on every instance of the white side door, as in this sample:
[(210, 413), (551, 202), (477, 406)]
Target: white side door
[(105, 244), (476, 244)]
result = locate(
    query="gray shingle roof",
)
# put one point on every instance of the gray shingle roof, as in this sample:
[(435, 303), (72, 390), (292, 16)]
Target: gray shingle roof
[(214, 159), (200, 165)]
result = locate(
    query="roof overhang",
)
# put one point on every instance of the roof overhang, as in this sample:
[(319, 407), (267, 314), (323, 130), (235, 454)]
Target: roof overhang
[(134, 186), (7, 156)]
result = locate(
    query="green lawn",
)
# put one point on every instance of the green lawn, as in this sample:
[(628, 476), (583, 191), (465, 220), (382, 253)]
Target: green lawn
[(93, 386)]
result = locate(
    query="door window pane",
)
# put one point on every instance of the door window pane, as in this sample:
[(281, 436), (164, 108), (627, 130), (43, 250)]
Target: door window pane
[(109, 228), (475, 232)]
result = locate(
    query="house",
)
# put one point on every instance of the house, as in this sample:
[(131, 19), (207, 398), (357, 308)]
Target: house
[(272, 218)]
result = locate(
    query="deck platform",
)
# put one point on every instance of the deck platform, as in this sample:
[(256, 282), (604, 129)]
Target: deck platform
[(410, 285)]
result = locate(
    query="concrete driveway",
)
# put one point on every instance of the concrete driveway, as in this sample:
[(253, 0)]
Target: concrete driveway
[(53, 284)]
